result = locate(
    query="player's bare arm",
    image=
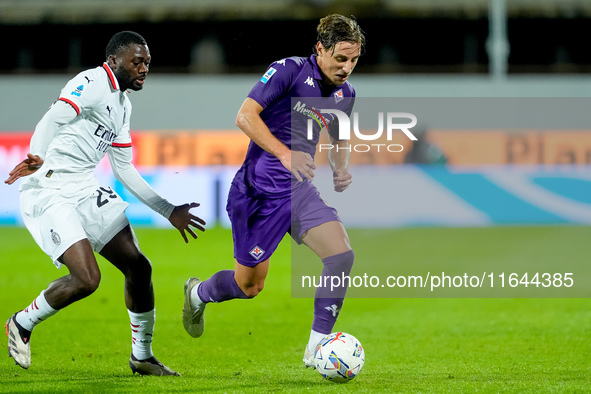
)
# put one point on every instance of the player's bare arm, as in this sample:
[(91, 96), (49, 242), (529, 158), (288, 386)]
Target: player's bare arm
[(339, 163), (250, 122)]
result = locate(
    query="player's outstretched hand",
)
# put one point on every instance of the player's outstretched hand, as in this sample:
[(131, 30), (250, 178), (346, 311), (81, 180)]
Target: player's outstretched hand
[(302, 164), (26, 167), (341, 180), (182, 219)]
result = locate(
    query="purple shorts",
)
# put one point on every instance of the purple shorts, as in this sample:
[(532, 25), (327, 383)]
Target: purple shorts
[(259, 224)]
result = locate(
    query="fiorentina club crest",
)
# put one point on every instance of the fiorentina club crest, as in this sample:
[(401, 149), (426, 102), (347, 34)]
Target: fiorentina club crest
[(338, 95), (257, 252)]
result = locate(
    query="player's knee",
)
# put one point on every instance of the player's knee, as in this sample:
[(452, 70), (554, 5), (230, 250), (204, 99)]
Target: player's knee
[(143, 266), (343, 261), (339, 264), (252, 290), (350, 259), (87, 283), (137, 266)]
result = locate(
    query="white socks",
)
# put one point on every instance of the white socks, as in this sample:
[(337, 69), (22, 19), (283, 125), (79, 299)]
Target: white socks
[(315, 337), (142, 324), (35, 313), (142, 329), (196, 301)]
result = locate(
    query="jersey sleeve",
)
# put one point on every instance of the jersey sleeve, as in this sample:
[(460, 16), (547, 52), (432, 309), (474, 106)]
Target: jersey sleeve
[(276, 81), (81, 92), (47, 128), (129, 177)]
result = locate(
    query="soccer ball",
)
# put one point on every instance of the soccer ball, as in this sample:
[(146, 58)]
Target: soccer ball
[(339, 357)]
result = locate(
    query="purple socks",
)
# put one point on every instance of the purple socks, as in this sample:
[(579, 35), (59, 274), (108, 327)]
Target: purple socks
[(328, 302), (220, 287)]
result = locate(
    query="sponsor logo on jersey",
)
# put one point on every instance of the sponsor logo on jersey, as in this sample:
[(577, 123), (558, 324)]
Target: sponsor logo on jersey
[(49, 174), (314, 114), (309, 82), (282, 62), (107, 136), (257, 252), (268, 75), (338, 95), (78, 91)]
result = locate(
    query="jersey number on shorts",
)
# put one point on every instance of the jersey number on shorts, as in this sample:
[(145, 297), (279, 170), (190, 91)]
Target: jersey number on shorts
[(107, 192)]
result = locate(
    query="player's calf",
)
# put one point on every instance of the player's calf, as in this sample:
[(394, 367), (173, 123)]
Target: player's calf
[(329, 299)]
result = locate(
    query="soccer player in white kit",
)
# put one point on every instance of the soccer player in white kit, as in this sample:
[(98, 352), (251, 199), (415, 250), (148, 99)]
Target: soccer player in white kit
[(70, 215)]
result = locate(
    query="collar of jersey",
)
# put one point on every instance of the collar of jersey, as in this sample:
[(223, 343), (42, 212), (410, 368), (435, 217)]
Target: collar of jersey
[(111, 75), (317, 73)]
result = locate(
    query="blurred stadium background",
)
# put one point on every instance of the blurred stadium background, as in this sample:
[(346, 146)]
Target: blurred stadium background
[(479, 188), (208, 54)]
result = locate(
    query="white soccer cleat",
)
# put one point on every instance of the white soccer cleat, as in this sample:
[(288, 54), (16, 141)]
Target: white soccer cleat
[(193, 317), (150, 366), (309, 361), (19, 343)]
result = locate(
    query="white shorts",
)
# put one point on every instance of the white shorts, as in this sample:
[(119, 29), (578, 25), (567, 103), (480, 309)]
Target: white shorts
[(58, 218)]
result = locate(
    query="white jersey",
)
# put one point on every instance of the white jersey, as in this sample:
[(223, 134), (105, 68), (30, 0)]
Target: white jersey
[(72, 145), (103, 118)]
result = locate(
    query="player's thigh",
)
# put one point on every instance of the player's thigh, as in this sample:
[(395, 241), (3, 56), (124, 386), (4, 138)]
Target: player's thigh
[(81, 262), (317, 224), (258, 226), (52, 220), (247, 276), (327, 239), (124, 253)]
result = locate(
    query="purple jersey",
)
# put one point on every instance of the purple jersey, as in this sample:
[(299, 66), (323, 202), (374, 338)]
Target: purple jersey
[(262, 174)]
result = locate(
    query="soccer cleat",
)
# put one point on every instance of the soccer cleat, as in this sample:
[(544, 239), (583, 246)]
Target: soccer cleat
[(19, 343), (192, 317), (150, 366), (309, 359)]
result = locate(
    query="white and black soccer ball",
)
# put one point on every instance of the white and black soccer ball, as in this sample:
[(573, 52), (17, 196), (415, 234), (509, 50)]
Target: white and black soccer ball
[(339, 357)]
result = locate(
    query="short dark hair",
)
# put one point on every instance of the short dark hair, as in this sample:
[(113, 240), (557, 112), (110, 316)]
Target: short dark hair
[(336, 28), (122, 40)]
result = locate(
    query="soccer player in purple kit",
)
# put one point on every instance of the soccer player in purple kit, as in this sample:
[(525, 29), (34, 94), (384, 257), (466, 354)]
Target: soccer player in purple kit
[(272, 193)]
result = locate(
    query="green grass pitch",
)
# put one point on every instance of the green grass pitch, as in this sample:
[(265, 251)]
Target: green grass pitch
[(412, 344)]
